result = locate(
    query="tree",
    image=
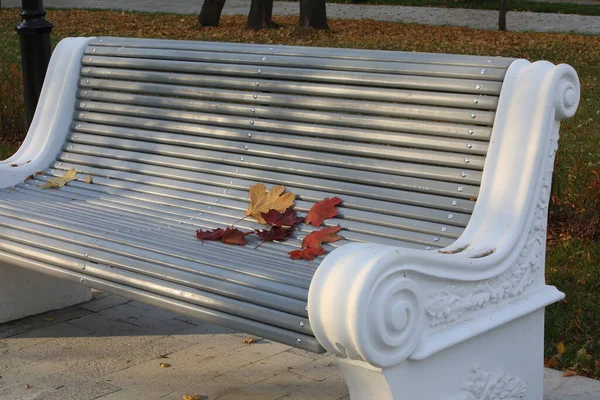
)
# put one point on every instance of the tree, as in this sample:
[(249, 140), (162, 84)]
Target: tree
[(211, 12), (261, 15), (312, 14), (502, 16)]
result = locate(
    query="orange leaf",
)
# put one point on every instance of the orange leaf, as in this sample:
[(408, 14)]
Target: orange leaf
[(262, 201), (325, 235), (306, 254), (322, 210), (569, 372)]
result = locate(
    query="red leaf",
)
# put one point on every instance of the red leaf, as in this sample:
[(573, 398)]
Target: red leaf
[(215, 234), (234, 236), (325, 235), (274, 233), (287, 218), (14, 165), (322, 210), (306, 254)]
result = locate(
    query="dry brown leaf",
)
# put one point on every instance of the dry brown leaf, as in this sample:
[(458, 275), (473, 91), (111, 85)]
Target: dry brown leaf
[(27, 386), (569, 372), (194, 397), (262, 201), (247, 340), (60, 181), (164, 365), (88, 179), (331, 364)]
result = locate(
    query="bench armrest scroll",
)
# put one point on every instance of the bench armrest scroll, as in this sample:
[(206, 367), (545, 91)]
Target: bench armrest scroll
[(53, 117)]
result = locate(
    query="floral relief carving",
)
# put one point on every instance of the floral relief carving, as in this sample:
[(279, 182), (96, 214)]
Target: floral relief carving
[(448, 304), (483, 385)]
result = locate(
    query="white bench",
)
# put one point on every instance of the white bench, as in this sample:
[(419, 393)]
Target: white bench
[(444, 164)]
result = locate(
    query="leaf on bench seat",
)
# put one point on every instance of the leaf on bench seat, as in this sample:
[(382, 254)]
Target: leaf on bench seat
[(325, 235), (274, 233), (263, 201), (322, 210), (276, 218), (306, 254), (60, 181), (228, 235)]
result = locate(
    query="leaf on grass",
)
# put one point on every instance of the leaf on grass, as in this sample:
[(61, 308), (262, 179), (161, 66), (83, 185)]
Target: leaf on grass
[(164, 365), (274, 233), (215, 234), (247, 340), (234, 236), (325, 235), (276, 218), (306, 254), (60, 181), (560, 348), (322, 210), (262, 201)]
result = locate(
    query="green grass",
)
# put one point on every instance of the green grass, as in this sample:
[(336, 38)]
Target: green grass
[(573, 258), (513, 5)]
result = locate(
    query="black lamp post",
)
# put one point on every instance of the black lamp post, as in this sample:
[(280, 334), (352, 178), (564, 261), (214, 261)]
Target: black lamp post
[(34, 33)]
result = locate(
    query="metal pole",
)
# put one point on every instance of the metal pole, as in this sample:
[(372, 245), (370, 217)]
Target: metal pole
[(34, 34)]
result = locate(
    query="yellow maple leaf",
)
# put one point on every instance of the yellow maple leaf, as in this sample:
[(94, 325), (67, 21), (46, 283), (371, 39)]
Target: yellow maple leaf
[(60, 181), (262, 201)]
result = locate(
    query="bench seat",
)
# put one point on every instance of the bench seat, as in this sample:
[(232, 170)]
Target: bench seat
[(173, 133)]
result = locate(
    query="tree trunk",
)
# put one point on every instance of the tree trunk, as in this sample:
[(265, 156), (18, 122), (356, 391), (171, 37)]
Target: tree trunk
[(313, 14), (211, 12), (502, 16), (260, 15)]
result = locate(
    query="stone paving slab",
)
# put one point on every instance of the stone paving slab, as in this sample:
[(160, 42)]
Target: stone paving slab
[(112, 352), (478, 19)]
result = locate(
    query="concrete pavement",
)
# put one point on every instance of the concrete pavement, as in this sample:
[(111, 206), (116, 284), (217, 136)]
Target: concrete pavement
[(112, 349), (478, 19)]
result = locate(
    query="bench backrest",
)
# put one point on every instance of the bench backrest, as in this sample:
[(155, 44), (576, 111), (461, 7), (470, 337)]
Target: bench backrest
[(401, 137)]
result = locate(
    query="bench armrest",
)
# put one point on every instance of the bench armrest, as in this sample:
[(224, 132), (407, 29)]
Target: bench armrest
[(54, 114), (383, 304)]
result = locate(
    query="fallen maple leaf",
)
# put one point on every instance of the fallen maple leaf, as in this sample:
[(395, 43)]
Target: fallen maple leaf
[(14, 165), (215, 234), (325, 235), (60, 181), (287, 218), (306, 254), (274, 233), (322, 210), (247, 340), (262, 201), (234, 236)]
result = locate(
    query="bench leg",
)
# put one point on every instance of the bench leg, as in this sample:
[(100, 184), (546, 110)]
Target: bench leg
[(24, 293), (505, 363)]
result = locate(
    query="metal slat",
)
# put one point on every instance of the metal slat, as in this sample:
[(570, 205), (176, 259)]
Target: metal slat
[(245, 177), (293, 61), (308, 51), (263, 330), (267, 105), (260, 168), (153, 118), (92, 254), (122, 191), (155, 246), (94, 134), (215, 185), (178, 83), (477, 86)]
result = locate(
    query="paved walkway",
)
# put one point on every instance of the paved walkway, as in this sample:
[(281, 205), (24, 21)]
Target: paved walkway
[(112, 349), (479, 19)]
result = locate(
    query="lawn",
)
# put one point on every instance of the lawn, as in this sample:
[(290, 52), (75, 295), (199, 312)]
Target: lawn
[(512, 5), (573, 259)]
